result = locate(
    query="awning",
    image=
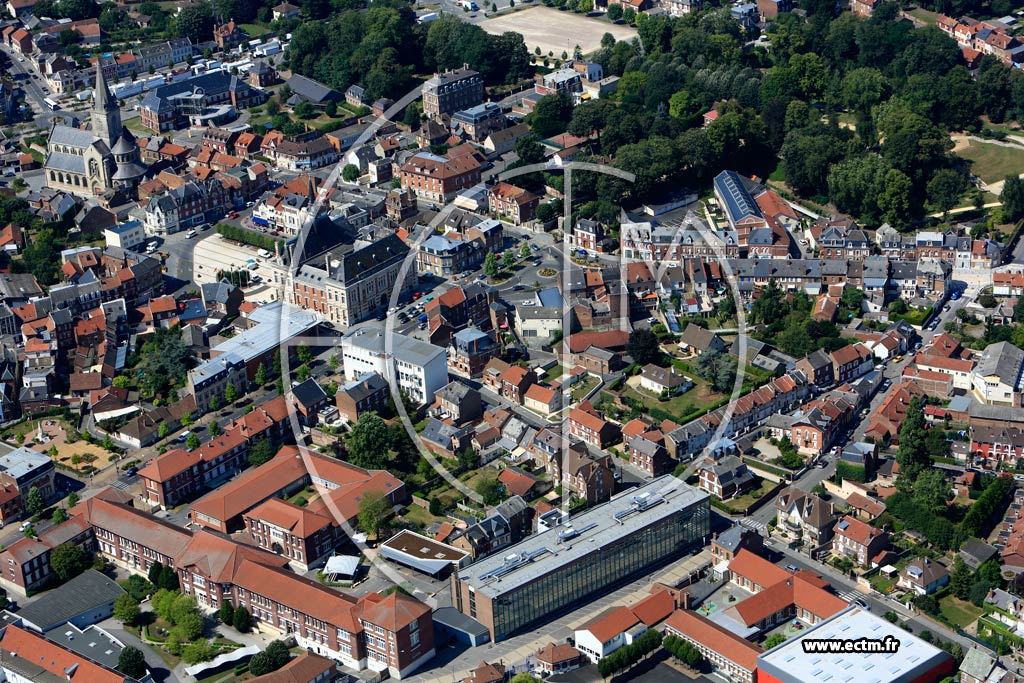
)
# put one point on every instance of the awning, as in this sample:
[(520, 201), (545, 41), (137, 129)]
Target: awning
[(346, 565)]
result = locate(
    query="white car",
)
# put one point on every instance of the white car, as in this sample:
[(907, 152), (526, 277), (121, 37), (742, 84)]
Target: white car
[(190, 234)]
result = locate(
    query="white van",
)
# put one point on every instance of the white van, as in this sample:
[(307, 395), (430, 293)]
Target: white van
[(184, 436), (263, 253)]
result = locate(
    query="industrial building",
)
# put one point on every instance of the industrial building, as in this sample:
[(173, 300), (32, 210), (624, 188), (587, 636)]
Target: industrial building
[(591, 553), (896, 657)]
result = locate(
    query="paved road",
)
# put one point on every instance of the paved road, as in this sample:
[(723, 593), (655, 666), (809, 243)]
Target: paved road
[(33, 87)]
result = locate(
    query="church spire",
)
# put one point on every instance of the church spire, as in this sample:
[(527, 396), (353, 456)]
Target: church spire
[(106, 115), (101, 98)]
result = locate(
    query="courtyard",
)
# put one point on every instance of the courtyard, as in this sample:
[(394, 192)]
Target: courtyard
[(556, 32)]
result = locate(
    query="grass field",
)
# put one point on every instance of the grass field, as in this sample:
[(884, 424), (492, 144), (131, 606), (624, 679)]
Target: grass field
[(255, 30), (924, 15), (959, 612), (993, 162), (555, 31)]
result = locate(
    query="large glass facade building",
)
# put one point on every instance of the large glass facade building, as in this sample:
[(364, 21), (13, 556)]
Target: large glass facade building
[(604, 546)]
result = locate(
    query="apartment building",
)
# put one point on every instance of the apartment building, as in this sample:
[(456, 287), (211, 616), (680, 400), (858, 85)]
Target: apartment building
[(451, 91), (439, 178), (419, 368), (304, 537)]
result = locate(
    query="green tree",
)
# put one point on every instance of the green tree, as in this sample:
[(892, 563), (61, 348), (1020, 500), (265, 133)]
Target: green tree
[(945, 189), (551, 115), (226, 613), (35, 502), (126, 609), (154, 573), (372, 510), (68, 561), (628, 15), (615, 12), (931, 491), (912, 455), (168, 579), (368, 442), (192, 442), (1012, 197), (524, 250), (491, 267), (271, 659), (334, 362), (60, 515), (508, 259), (350, 173), (131, 662), (214, 403), (774, 640), (242, 620), (195, 22), (214, 428), (643, 346), (490, 490), (260, 452), (230, 393), (162, 430), (261, 375)]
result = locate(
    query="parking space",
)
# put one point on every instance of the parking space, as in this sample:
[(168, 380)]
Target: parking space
[(215, 253)]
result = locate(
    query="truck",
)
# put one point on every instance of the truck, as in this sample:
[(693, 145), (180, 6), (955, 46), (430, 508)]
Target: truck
[(428, 17), (469, 5)]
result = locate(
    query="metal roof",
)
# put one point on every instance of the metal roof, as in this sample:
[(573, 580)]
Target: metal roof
[(605, 525), (738, 202)]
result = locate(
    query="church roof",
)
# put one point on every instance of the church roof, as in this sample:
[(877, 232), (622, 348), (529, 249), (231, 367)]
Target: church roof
[(124, 146), (129, 171), (72, 163), (72, 137)]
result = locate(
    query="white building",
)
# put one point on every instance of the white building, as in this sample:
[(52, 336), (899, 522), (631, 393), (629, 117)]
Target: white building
[(127, 235), (420, 368)]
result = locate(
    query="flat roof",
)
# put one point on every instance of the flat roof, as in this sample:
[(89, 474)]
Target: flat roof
[(22, 462), (276, 323), (790, 664), (420, 552), (582, 535), (370, 337)]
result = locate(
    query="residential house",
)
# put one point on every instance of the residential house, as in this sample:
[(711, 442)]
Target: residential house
[(858, 541), (923, 576)]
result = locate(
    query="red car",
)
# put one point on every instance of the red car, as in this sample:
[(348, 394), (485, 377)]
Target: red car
[(415, 295), (233, 215)]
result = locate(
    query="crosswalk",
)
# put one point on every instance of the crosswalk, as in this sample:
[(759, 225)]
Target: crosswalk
[(851, 595), (755, 525), (118, 484)]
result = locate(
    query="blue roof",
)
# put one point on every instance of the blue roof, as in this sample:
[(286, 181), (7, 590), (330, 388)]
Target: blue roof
[(550, 297), (738, 202)]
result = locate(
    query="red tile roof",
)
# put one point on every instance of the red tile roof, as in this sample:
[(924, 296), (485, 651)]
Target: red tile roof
[(611, 623), (715, 638), (64, 664), (297, 521), (759, 570)]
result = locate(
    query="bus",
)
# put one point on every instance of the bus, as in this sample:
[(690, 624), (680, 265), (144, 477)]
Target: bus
[(51, 104)]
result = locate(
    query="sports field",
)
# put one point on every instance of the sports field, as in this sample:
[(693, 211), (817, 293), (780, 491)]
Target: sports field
[(555, 31)]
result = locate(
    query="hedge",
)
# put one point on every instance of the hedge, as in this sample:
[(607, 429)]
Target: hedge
[(238, 234)]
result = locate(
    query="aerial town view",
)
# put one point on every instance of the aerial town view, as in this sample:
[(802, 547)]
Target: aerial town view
[(510, 341)]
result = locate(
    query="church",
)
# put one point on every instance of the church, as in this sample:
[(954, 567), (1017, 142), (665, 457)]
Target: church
[(90, 162)]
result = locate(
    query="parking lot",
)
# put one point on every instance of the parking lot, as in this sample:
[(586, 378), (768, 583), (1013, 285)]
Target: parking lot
[(214, 253), (555, 31)]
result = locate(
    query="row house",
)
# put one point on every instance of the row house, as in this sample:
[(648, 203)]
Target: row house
[(992, 445), (179, 475), (300, 154), (292, 205), (814, 428), (858, 541), (672, 244), (851, 362), (442, 256), (578, 471), (644, 443), (587, 423), (512, 203)]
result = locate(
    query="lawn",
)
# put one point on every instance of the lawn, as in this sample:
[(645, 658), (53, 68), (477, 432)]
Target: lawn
[(958, 612), (700, 395), (993, 162), (553, 374), (743, 502), (420, 516), (255, 30), (930, 18)]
